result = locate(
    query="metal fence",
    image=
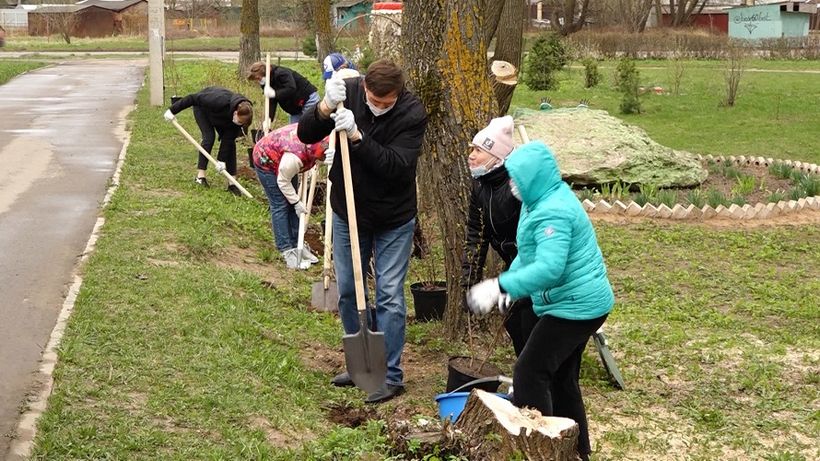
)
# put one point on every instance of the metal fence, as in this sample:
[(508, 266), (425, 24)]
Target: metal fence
[(14, 19)]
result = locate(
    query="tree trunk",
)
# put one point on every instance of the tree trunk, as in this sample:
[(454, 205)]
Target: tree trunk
[(492, 18), (571, 23), (249, 41), (324, 29), (508, 46), (446, 55), (494, 429), (681, 11)]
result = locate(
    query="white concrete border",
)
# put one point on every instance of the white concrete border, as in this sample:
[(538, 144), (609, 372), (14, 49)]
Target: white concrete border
[(679, 212), (36, 404)]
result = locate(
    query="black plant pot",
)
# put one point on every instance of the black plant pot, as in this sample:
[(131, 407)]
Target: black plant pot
[(429, 301), (460, 372)]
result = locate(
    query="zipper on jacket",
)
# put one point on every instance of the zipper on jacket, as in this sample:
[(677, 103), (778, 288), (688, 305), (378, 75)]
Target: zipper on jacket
[(491, 212)]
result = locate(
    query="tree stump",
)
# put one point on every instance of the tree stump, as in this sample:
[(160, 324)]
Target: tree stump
[(494, 429)]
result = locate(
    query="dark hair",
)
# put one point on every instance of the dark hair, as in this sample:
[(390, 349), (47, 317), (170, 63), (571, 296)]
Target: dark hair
[(384, 78), (244, 112)]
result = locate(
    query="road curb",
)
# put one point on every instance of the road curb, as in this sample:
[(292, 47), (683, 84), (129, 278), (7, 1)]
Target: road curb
[(36, 404)]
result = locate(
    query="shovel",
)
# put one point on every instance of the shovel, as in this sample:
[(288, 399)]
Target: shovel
[(608, 360), (325, 294), (219, 167), (267, 82), (306, 196), (365, 354)]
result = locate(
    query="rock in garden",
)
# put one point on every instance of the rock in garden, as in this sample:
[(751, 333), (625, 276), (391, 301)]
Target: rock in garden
[(593, 147)]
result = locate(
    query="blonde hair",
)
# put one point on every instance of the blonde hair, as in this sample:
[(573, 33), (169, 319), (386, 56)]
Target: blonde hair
[(256, 71)]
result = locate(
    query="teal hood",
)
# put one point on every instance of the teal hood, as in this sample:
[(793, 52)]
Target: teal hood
[(534, 170)]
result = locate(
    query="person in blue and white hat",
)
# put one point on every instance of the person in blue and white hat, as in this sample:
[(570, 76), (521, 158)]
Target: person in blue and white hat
[(337, 64)]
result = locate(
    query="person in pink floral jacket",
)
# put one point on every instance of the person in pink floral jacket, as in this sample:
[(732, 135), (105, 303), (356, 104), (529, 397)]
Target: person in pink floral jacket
[(278, 158)]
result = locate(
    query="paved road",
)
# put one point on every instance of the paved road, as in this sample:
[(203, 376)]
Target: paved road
[(60, 136), (227, 56)]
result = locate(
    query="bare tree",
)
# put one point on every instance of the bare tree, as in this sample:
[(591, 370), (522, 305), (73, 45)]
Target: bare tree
[(681, 12), (62, 22), (249, 40), (323, 27), (631, 14), (509, 42), (445, 50), (568, 16)]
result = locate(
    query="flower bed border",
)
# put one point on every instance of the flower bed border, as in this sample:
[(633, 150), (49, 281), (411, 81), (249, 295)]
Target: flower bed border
[(691, 212)]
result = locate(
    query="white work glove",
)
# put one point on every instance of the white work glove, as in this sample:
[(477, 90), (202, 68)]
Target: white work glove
[(329, 154), (300, 208), (335, 92), (266, 125), (220, 167), (270, 93), (485, 295), (168, 115), (345, 121)]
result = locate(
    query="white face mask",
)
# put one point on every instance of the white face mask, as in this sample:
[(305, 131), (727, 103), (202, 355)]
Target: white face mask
[(376, 111), (262, 82), (514, 190), (481, 170)]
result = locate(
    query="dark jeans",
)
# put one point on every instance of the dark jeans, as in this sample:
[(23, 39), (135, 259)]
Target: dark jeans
[(546, 372), (519, 323), (227, 143), (283, 218)]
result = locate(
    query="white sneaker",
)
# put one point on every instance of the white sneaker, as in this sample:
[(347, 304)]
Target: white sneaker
[(308, 256), (290, 257)]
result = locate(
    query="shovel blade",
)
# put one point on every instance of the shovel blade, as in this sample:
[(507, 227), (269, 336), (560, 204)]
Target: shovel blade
[(325, 300), (608, 360), (366, 359)]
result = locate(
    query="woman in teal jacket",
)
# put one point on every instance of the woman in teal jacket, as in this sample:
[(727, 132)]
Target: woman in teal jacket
[(561, 268)]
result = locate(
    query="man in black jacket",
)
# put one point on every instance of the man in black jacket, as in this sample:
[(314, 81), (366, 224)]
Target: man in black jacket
[(286, 88), (493, 220), (385, 124), (219, 110)]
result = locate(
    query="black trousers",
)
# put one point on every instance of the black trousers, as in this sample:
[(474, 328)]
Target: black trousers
[(546, 372), (519, 323), (227, 143)]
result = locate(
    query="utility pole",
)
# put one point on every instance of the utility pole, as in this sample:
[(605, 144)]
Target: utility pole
[(156, 49)]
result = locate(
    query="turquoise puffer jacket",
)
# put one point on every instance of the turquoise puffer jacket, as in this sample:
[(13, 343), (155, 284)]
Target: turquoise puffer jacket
[(559, 264)]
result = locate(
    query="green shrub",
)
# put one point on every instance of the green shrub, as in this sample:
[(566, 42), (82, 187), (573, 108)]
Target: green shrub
[(585, 194), (744, 185), (696, 197), (547, 56), (668, 197), (309, 46), (810, 185), (780, 170), (628, 78), (365, 59), (715, 198), (776, 196), (739, 200), (797, 193), (647, 193), (591, 75)]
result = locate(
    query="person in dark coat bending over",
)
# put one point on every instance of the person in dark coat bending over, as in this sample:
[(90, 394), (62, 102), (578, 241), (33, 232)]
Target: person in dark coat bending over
[(218, 112), (385, 125), (287, 88)]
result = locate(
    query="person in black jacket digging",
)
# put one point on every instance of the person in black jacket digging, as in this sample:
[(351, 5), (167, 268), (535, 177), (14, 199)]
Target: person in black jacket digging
[(286, 88), (493, 220), (217, 111), (385, 124)]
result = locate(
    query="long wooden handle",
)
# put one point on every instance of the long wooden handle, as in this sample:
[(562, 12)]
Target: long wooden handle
[(358, 277), (267, 83), (204, 152), (328, 233), (314, 174), (523, 132)]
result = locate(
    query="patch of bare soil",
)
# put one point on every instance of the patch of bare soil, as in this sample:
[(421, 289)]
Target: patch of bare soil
[(348, 415), (247, 259), (278, 437), (764, 181)]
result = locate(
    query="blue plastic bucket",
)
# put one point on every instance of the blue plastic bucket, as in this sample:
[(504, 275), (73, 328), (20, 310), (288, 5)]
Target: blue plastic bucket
[(451, 405)]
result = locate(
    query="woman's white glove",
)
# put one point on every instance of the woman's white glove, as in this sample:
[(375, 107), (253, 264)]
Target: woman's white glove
[(485, 295), (329, 154), (270, 93), (168, 115), (335, 92), (345, 121), (300, 208)]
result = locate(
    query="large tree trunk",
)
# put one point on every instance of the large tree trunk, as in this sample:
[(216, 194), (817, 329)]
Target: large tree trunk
[(508, 46), (493, 429), (572, 14), (446, 55), (324, 28), (249, 41)]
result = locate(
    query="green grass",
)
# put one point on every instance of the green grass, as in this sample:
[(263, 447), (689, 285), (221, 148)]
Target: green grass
[(12, 68), (762, 123), (175, 350)]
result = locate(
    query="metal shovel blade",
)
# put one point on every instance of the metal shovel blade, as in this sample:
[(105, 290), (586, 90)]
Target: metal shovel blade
[(325, 300), (365, 357), (608, 360)]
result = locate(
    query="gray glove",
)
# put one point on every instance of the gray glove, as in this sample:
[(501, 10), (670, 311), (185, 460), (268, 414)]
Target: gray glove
[(270, 93), (329, 154), (168, 115), (335, 92), (345, 121), (300, 208)]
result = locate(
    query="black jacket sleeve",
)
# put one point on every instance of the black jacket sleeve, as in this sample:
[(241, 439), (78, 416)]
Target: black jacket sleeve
[(475, 246), (398, 158), (312, 127), (183, 103)]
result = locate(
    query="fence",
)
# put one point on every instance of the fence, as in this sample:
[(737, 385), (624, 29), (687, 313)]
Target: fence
[(14, 19)]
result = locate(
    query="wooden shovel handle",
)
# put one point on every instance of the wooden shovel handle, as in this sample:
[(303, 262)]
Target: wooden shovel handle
[(267, 83), (358, 277)]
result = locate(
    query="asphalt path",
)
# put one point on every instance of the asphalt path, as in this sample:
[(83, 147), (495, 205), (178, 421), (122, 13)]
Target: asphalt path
[(61, 132)]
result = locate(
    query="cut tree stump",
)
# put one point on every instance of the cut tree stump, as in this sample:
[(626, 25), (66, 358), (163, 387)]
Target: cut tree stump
[(494, 429)]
